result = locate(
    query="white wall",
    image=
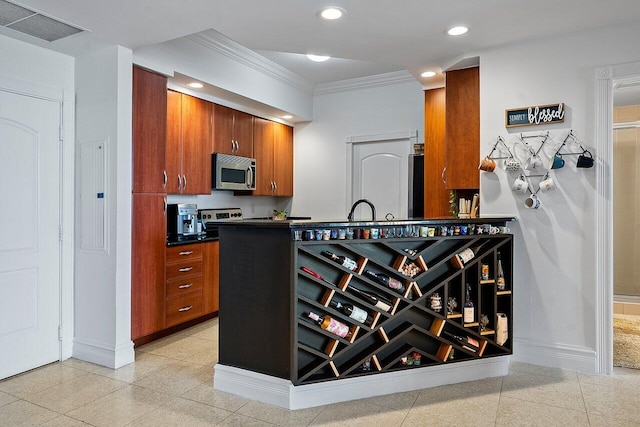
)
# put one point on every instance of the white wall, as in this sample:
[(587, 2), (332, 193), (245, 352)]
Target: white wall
[(40, 71), (554, 300), (321, 168), (103, 278)]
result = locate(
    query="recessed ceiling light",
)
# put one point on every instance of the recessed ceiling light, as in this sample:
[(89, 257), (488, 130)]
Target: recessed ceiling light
[(196, 85), (331, 13), (457, 31), (428, 74), (287, 116), (317, 58)]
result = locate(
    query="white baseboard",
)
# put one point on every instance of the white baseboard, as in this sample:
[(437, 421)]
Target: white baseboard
[(103, 355), (282, 393), (556, 356)]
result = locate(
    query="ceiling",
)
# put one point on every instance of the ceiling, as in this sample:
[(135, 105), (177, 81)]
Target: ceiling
[(374, 37)]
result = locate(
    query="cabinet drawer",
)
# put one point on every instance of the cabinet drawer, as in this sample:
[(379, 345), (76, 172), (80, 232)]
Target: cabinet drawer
[(183, 308), (184, 269), (180, 287), (183, 253)]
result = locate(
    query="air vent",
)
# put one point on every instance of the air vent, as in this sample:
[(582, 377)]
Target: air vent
[(33, 23)]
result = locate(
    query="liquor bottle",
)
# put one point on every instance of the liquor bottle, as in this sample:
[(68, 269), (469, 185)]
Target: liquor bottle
[(387, 281), (342, 260), (463, 257), (467, 342), (354, 312), (468, 312), (373, 299), (330, 324), (500, 276)]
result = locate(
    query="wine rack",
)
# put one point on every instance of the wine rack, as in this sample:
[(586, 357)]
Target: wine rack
[(410, 331)]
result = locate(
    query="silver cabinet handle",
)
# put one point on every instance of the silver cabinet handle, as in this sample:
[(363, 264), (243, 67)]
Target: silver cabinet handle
[(237, 146), (185, 286), (179, 182), (184, 181), (164, 179), (185, 253), (275, 187), (165, 206), (187, 308), (185, 269), (444, 181)]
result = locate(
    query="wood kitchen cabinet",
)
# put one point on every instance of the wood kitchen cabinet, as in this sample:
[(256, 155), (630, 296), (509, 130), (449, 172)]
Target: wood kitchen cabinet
[(232, 132), (462, 148), (273, 151), (188, 149), (436, 196), (149, 130), (148, 242), (211, 276)]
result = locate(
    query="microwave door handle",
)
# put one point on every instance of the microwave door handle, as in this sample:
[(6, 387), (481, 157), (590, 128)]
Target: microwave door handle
[(250, 177)]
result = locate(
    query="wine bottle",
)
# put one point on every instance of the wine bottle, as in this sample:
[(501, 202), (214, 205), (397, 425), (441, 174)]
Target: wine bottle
[(500, 276), (354, 312), (387, 281), (467, 342), (342, 260), (468, 312), (330, 324), (463, 257), (373, 299)]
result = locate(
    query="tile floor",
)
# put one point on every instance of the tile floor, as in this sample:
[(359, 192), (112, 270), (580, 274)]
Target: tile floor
[(170, 384)]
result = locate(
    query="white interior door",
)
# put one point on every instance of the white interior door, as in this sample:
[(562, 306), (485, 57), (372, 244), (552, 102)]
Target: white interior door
[(380, 174), (29, 226)]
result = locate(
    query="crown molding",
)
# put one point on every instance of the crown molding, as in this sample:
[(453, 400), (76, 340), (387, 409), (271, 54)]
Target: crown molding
[(217, 42), (365, 82)]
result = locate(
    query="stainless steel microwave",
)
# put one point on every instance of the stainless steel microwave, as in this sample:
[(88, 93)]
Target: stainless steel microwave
[(232, 172)]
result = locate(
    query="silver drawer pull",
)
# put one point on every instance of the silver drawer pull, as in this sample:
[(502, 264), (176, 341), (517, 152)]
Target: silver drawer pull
[(185, 253), (187, 308), (183, 270), (185, 286)]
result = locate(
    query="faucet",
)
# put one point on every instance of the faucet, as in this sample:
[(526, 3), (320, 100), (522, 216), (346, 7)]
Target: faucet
[(353, 208)]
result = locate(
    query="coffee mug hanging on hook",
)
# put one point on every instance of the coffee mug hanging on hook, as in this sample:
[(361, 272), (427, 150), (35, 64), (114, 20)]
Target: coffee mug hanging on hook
[(585, 160)]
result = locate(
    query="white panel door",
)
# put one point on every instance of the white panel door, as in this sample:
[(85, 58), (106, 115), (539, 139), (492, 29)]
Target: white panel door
[(380, 175), (29, 226)]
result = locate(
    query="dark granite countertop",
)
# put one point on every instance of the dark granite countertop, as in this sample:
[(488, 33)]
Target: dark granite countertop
[(188, 242)]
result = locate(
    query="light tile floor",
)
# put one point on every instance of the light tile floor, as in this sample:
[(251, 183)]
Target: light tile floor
[(171, 384)]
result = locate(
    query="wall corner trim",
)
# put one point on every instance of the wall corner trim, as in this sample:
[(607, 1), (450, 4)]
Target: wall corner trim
[(100, 354)]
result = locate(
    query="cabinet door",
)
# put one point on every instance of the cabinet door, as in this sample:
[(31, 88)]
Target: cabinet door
[(211, 277), (149, 110), (283, 160), (148, 243), (174, 144), (263, 152), (196, 154), (436, 196), (463, 128), (222, 132), (243, 133)]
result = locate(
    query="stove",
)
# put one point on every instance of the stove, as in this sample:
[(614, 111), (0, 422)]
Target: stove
[(212, 217)]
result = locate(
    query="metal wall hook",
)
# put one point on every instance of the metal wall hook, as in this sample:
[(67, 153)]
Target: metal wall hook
[(500, 141)]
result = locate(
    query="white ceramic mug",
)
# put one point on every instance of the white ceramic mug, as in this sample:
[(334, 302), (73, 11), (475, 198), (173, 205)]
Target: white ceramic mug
[(534, 163), (512, 164), (520, 185), (547, 185), (532, 202)]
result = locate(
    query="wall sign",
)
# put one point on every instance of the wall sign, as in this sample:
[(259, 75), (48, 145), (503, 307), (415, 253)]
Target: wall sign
[(534, 115)]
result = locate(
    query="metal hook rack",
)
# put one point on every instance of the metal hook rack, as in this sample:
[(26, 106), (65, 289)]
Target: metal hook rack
[(500, 140), (544, 136), (575, 140)]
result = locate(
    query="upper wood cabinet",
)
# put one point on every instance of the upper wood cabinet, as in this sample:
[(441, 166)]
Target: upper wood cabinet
[(149, 109), (232, 132), (462, 148), (188, 148), (273, 151), (436, 196)]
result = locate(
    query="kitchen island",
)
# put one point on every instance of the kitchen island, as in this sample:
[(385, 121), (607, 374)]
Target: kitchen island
[(394, 295)]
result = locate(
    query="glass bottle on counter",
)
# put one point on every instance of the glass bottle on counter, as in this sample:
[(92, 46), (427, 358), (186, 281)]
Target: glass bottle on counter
[(373, 299), (354, 312), (342, 260), (500, 282), (468, 311), (330, 324), (387, 281)]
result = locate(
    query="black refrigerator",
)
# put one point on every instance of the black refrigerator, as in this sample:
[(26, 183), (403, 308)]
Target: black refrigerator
[(416, 186)]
